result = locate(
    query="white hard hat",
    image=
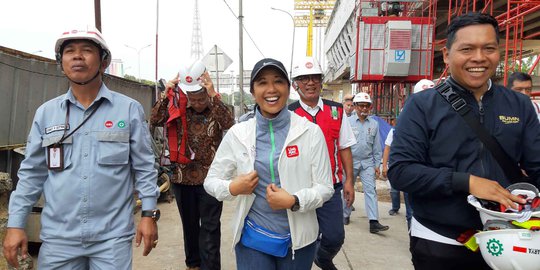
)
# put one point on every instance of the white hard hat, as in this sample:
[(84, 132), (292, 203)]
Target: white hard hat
[(361, 97), (487, 214), (89, 33), (189, 78), (510, 249), (423, 84), (307, 66)]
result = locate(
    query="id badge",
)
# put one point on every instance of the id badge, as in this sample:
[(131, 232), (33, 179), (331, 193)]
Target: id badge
[(55, 154)]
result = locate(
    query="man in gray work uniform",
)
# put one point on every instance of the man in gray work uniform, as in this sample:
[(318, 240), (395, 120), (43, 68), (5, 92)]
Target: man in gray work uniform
[(86, 152)]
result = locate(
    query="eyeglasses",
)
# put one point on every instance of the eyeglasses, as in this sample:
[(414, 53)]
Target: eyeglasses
[(521, 89), (306, 78), (362, 105)]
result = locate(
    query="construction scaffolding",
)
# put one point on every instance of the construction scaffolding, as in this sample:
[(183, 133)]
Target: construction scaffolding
[(519, 24), (313, 13), (398, 43)]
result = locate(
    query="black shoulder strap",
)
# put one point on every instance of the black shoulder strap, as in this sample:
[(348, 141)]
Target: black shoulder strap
[(510, 168)]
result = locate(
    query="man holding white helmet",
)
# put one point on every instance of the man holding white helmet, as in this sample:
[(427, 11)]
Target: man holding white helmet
[(194, 133), (438, 158), (86, 152), (329, 116), (366, 158)]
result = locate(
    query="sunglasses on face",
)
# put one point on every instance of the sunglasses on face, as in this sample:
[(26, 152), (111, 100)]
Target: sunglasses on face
[(306, 78)]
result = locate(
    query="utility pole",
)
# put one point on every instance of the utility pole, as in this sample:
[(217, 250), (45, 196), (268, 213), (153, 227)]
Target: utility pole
[(293, 30), (156, 74), (241, 57), (97, 14)]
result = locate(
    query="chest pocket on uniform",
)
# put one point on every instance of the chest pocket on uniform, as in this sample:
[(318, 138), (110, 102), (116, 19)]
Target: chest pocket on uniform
[(331, 130), (67, 147), (370, 135), (113, 148)]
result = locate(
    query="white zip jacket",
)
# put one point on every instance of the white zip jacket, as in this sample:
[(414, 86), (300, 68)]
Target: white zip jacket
[(304, 170)]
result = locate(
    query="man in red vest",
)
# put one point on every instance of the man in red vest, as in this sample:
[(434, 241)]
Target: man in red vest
[(194, 134), (329, 115)]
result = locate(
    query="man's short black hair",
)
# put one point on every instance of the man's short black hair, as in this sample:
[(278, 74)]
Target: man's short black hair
[(471, 18), (517, 76)]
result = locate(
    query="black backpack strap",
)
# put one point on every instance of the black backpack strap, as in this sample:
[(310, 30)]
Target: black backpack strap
[(510, 168)]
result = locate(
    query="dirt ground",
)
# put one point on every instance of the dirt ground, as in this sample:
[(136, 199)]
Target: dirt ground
[(383, 190)]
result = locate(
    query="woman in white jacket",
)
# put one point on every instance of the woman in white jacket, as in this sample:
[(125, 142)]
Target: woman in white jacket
[(277, 167)]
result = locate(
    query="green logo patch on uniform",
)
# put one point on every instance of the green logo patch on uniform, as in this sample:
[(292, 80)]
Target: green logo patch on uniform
[(121, 124), (334, 112)]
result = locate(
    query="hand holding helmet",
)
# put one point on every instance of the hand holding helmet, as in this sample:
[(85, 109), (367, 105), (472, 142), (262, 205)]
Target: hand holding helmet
[(171, 84), (483, 188), (194, 78), (206, 82)]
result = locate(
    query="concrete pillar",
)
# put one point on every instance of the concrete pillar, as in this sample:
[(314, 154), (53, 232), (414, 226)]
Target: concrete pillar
[(5, 188)]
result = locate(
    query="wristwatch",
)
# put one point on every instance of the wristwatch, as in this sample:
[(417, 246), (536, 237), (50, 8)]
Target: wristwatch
[(154, 214), (296, 204)]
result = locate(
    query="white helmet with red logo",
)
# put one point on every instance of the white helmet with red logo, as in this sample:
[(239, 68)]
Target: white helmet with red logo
[(361, 97), (307, 66), (89, 33), (189, 78), (423, 84)]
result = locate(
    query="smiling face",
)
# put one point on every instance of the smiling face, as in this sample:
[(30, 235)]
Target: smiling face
[(309, 88), (81, 60), (271, 91), (473, 56)]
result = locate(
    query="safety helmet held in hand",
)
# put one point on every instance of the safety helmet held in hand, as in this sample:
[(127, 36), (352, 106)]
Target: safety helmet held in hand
[(490, 210), (189, 78), (307, 66), (88, 33), (361, 97), (510, 249), (423, 84)]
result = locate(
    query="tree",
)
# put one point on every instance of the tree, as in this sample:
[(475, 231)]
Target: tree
[(143, 81), (130, 77)]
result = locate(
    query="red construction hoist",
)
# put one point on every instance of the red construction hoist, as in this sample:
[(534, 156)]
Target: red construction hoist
[(394, 50)]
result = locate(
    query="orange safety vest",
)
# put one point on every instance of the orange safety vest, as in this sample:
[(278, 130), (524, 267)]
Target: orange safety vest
[(177, 114)]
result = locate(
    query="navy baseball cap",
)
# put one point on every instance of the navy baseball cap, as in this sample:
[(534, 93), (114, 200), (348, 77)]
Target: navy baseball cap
[(265, 63)]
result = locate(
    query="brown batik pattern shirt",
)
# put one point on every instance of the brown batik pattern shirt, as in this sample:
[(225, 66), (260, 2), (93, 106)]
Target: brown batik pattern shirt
[(205, 131)]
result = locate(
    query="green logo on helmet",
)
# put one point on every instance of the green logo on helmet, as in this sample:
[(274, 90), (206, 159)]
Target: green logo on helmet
[(494, 247)]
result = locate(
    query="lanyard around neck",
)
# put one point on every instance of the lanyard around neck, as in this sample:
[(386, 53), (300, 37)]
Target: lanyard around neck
[(64, 136)]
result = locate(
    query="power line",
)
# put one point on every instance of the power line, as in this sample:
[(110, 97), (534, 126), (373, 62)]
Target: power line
[(244, 27)]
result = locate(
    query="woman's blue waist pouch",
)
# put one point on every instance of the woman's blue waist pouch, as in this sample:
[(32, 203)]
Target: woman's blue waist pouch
[(263, 240)]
